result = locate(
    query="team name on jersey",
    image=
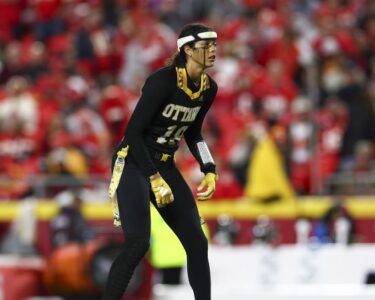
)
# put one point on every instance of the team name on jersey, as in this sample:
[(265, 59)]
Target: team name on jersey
[(180, 113)]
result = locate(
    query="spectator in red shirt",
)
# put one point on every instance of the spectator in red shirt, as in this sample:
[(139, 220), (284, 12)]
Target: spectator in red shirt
[(283, 49), (275, 84)]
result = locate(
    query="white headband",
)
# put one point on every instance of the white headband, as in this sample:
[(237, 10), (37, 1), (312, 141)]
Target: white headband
[(202, 36)]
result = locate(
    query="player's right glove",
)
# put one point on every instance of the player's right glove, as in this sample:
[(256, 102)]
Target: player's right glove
[(162, 191)]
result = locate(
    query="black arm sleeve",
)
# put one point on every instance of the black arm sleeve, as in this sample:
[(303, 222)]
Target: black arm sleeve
[(155, 92), (193, 135)]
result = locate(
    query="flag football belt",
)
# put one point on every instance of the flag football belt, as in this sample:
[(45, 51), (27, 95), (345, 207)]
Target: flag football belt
[(115, 180)]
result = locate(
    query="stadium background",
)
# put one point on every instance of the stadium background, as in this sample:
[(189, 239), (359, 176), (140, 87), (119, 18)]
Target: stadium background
[(297, 74)]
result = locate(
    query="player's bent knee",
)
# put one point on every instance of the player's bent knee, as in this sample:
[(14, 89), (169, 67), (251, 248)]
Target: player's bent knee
[(138, 246), (141, 243)]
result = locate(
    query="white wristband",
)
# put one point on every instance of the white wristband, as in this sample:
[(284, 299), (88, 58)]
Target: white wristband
[(204, 153)]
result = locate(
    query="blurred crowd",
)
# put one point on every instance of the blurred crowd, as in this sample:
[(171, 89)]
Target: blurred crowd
[(295, 105)]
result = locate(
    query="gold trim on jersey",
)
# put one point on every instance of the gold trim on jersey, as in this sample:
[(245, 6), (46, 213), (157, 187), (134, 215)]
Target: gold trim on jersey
[(182, 83)]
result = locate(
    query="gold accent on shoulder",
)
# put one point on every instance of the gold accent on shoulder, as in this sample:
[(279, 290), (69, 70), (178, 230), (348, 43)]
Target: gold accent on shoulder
[(182, 83)]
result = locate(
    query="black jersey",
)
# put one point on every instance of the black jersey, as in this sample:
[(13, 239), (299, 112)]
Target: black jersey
[(170, 107)]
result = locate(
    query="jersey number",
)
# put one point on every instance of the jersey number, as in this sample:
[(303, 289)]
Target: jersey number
[(172, 135)]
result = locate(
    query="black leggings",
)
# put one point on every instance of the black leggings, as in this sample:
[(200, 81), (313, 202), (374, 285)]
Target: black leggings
[(134, 196)]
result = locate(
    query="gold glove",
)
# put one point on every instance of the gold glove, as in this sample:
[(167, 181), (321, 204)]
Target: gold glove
[(162, 191), (208, 182)]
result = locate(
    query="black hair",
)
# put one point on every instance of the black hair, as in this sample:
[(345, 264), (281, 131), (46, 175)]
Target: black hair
[(179, 57)]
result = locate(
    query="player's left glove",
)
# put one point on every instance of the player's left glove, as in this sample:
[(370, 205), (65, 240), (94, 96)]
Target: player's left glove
[(208, 182)]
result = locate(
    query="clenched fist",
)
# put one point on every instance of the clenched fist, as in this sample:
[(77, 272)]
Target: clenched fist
[(162, 191)]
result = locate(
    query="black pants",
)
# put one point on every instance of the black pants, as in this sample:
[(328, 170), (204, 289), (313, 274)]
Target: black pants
[(134, 195)]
